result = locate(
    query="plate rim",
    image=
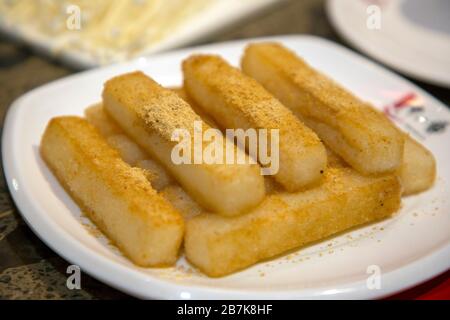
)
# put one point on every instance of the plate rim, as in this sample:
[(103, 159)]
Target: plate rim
[(104, 269), (348, 37)]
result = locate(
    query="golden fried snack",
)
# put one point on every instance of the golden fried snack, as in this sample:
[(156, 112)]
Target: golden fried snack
[(158, 176), (418, 170), (181, 201), (118, 198), (237, 101), (130, 152), (150, 114), (99, 119), (221, 245), (361, 135)]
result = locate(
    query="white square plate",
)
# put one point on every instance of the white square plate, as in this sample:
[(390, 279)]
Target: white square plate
[(410, 247)]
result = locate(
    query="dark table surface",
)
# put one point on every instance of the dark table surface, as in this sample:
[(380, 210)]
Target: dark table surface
[(28, 268)]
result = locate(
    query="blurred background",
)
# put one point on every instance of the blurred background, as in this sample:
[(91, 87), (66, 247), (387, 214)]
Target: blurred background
[(43, 40)]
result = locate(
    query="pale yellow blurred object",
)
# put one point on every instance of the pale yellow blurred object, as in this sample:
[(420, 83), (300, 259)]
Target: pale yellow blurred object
[(118, 28)]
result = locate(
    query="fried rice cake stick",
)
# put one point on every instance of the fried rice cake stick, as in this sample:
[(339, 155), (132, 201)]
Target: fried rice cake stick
[(284, 221), (418, 170), (236, 101), (357, 132), (116, 197)]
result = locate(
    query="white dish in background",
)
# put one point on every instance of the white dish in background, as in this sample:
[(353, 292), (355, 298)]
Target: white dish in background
[(219, 15), (410, 247), (414, 37)]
